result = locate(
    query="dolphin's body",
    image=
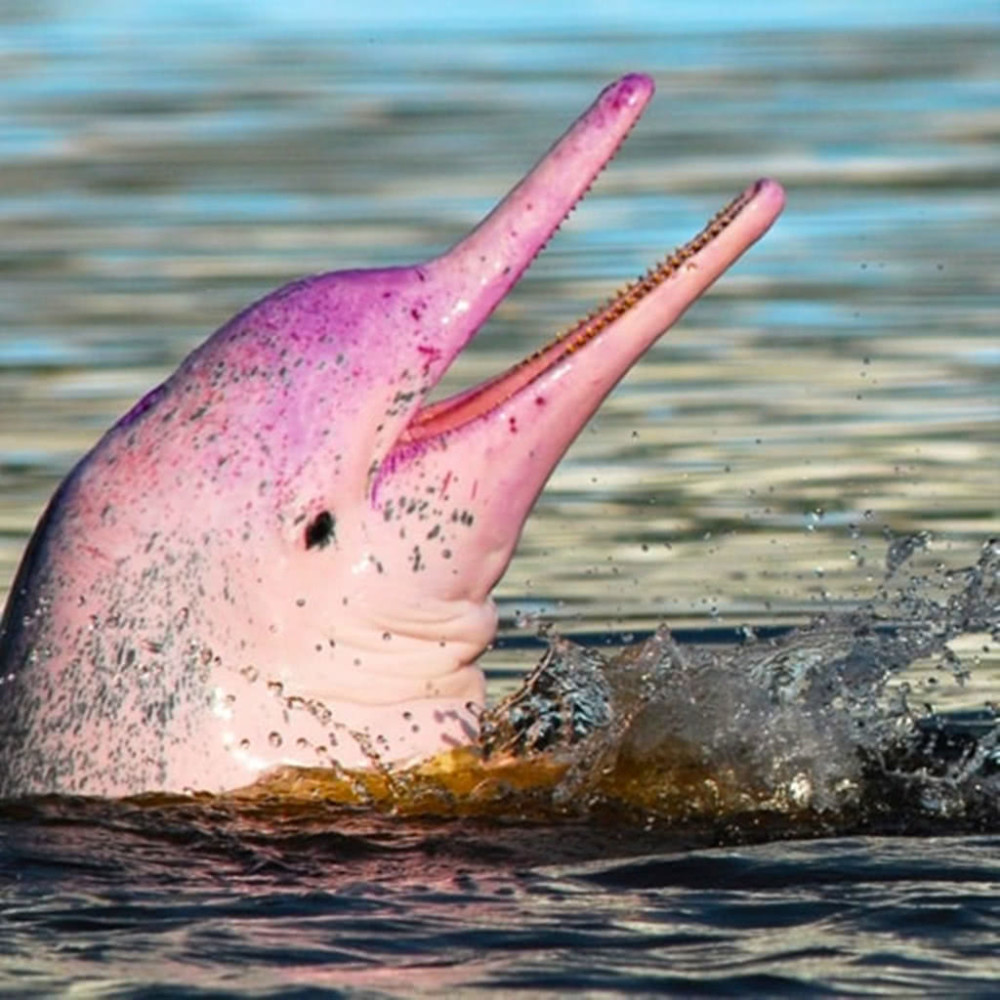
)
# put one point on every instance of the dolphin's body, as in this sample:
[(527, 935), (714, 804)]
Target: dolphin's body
[(282, 556)]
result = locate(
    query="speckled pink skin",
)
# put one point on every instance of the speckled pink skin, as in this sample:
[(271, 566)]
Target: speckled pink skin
[(270, 561)]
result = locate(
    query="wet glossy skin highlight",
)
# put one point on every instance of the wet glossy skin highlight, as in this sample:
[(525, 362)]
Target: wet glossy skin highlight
[(279, 556)]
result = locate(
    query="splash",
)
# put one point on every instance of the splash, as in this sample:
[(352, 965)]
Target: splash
[(817, 723), (815, 731)]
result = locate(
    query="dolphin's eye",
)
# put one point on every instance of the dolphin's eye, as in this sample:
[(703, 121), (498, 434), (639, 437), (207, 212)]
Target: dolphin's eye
[(321, 530)]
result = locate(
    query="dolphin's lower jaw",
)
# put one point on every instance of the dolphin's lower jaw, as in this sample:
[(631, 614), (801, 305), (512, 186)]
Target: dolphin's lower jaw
[(282, 556)]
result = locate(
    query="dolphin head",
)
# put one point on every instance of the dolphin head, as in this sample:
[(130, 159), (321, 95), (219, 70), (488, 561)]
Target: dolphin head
[(284, 554)]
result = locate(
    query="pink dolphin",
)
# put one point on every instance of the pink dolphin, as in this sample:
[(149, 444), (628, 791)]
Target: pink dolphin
[(282, 556)]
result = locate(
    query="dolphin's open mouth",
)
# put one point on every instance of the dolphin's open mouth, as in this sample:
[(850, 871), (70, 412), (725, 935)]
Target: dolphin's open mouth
[(468, 405), (494, 445)]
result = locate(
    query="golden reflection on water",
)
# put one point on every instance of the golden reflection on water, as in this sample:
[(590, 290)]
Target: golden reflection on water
[(462, 784)]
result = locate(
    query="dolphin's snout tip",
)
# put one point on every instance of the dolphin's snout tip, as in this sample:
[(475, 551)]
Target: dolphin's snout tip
[(637, 85), (770, 192), (630, 90)]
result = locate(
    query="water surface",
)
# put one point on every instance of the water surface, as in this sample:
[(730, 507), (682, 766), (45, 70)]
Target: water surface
[(163, 168)]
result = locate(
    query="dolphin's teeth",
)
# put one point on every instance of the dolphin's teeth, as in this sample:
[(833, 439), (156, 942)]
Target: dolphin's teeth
[(634, 292)]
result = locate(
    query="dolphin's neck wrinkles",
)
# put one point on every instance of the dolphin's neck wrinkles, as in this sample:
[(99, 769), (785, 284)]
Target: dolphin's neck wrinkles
[(282, 555)]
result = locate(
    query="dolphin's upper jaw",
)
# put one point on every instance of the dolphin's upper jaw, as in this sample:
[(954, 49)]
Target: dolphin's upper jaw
[(454, 294)]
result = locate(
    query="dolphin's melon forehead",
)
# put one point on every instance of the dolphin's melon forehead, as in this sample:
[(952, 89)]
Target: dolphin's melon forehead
[(351, 315), (296, 365), (366, 330)]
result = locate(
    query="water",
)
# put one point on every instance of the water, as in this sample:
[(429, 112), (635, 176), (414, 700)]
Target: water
[(833, 399)]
